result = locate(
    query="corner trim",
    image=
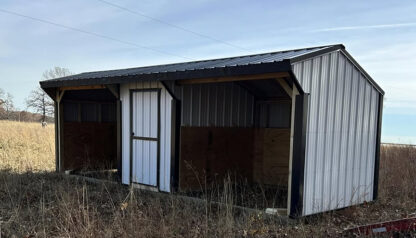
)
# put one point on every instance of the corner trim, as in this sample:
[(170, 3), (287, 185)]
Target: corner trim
[(299, 157), (378, 143)]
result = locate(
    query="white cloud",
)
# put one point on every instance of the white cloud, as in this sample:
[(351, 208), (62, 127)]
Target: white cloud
[(366, 27)]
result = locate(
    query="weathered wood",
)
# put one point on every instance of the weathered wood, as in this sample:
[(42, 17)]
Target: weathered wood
[(285, 86), (114, 90), (234, 78), (89, 145), (292, 129)]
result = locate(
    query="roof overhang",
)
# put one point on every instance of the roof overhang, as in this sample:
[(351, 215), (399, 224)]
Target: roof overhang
[(240, 70)]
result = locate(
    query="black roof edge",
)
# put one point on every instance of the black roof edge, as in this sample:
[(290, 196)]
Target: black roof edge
[(273, 67), (349, 57), (316, 53)]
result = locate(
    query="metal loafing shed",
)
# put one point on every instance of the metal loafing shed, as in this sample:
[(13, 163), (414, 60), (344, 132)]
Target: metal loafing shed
[(306, 119)]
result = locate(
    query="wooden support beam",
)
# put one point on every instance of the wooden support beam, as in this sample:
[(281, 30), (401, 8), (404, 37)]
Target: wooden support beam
[(113, 89), (295, 92), (285, 86), (83, 87), (234, 78), (59, 95)]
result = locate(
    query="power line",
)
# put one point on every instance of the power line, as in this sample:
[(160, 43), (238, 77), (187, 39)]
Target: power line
[(93, 34), (173, 25)]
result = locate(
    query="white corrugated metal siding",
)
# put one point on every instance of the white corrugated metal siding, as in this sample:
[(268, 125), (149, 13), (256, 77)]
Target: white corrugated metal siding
[(145, 124), (341, 133), (165, 132)]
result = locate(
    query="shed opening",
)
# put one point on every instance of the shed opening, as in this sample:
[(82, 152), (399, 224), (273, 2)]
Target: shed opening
[(238, 133), (88, 131)]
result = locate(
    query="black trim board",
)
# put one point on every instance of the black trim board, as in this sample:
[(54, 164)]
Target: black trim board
[(144, 138), (317, 53), (378, 141), (169, 90), (298, 156), (175, 142), (56, 137)]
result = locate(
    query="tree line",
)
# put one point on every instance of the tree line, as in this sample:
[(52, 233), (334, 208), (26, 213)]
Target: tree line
[(39, 106)]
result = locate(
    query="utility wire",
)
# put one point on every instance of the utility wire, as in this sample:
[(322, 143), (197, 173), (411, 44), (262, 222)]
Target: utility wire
[(93, 34), (172, 25)]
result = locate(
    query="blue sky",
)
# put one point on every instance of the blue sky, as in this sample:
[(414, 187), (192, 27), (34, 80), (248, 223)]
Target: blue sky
[(381, 35)]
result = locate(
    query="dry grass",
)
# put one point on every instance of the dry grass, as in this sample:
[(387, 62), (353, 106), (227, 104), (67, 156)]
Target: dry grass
[(36, 202), (26, 146)]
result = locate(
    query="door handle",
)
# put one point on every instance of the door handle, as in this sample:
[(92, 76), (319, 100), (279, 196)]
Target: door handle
[(132, 133)]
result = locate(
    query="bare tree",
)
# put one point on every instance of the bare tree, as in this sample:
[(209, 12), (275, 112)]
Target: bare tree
[(41, 103), (2, 96), (56, 72), (38, 100), (8, 105), (2, 100)]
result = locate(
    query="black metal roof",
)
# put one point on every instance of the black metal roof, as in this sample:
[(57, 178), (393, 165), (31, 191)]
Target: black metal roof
[(241, 65)]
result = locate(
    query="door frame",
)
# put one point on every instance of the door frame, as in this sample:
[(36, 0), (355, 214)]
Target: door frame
[(158, 90)]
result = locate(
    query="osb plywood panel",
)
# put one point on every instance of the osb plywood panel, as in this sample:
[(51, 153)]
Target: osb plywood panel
[(271, 161), (209, 153), (89, 145)]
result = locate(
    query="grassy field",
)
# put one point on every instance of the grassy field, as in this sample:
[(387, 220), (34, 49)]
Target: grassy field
[(36, 202)]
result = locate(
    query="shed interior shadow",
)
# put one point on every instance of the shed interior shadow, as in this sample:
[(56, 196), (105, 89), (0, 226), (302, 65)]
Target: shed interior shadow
[(89, 130)]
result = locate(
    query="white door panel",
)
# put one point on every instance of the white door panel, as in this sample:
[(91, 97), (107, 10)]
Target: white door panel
[(145, 106)]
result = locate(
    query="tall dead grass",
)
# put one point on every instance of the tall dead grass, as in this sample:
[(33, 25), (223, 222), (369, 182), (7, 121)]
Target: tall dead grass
[(36, 202), (26, 146)]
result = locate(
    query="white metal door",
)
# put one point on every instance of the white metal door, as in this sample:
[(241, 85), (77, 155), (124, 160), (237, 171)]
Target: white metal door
[(145, 136)]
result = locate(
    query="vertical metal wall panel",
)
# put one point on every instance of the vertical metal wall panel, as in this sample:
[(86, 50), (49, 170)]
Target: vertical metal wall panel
[(311, 140), (356, 137), (148, 147), (349, 114), (220, 102), (321, 140), (330, 137), (228, 105), (341, 133), (214, 104), (363, 187), (346, 109), (337, 171), (71, 111), (274, 114), (186, 93), (212, 98)]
